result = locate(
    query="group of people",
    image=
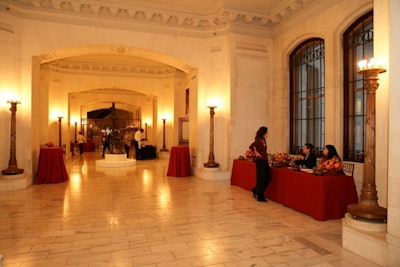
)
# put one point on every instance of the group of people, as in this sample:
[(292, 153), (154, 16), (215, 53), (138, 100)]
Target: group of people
[(307, 159), (137, 142)]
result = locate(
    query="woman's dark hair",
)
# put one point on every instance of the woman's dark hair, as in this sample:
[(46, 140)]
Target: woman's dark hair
[(309, 146), (260, 133), (332, 151)]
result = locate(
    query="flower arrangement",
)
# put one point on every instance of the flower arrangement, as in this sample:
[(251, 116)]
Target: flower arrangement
[(331, 166), (250, 155), (334, 164), (281, 159), (49, 144)]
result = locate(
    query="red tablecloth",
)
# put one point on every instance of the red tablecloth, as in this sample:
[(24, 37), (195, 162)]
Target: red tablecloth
[(89, 147), (51, 167), (179, 162), (322, 197)]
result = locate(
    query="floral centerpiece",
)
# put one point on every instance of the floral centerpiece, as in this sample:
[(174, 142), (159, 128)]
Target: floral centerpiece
[(281, 160), (49, 144), (250, 155), (330, 166)]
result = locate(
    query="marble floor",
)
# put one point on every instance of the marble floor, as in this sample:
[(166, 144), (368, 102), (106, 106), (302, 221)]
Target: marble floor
[(137, 216)]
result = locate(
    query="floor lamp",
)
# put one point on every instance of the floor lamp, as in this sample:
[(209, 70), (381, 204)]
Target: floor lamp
[(368, 207), (211, 161), (12, 163), (59, 132), (76, 124), (164, 148)]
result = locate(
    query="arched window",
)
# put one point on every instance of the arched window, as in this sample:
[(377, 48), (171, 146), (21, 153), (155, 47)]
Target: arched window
[(307, 95), (358, 44)]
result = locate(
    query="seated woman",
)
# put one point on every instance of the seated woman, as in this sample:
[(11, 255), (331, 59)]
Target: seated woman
[(331, 160), (307, 158)]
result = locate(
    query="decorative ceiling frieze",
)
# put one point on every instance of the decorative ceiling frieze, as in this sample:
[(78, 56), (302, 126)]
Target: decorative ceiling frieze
[(220, 17), (78, 66)]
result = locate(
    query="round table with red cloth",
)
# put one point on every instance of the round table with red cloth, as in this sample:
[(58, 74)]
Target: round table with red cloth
[(51, 167), (179, 162)]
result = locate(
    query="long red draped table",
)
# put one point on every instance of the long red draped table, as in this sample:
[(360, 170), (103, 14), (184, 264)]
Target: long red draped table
[(51, 167), (322, 197), (179, 162)]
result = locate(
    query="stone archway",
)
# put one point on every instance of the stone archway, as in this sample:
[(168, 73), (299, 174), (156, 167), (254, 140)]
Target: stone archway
[(42, 82)]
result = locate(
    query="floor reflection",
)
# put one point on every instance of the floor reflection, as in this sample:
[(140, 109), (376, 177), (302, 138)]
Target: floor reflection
[(138, 216)]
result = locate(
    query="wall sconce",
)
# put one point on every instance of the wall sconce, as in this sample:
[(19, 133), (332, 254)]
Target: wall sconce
[(211, 161), (59, 131), (368, 207), (164, 148), (12, 163)]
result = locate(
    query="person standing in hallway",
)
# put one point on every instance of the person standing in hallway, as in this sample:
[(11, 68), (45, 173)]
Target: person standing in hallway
[(80, 140), (128, 142), (138, 143), (106, 143), (259, 147)]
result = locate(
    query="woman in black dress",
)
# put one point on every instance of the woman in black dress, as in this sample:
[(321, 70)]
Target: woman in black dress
[(259, 147)]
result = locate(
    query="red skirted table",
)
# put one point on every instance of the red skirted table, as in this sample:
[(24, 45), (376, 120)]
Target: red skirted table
[(89, 147), (51, 167), (179, 162), (322, 197)]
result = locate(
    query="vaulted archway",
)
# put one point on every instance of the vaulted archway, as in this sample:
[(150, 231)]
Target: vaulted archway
[(67, 82)]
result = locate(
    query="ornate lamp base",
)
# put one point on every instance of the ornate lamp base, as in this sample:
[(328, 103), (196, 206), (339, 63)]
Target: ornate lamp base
[(368, 210), (211, 164), (11, 170)]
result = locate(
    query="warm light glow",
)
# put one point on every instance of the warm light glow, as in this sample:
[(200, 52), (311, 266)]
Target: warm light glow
[(164, 198), (73, 119), (165, 116), (7, 96), (373, 63), (56, 113), (147, 121), (214, 102)]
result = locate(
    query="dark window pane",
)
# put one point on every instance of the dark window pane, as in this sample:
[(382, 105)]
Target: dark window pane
[(357, 45), (307, 95)]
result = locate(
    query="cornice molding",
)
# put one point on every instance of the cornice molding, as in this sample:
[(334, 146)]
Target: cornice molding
[(220, 18), (69, 66)]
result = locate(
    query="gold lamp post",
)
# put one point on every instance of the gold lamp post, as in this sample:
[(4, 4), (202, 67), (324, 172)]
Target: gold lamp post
[(12, 163), (59, 131), (368, 207), (164, 148), (75, 124), (211, 161)]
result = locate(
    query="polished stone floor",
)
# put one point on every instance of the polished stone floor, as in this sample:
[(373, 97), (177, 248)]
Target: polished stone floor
[(137, 216)]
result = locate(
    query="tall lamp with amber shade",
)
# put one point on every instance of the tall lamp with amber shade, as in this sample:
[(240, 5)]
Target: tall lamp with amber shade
[(211, 160), (12, 163), (368, 207)]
